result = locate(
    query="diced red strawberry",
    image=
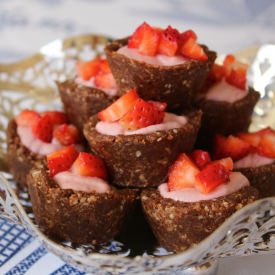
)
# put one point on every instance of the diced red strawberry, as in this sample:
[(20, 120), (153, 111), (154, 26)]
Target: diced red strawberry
[(56, 117), (226, 162), (252, 138), (88, 165), (119, 108), (61, 160), (228, 62), (105, 81), (43, 129), (27, 118), (237, 75), (201, 158), (211, 176), (146, 39), (169, 41), (185, 36), (88, 69), (66, 134), (231, 146), (191, 49), (161, 106), (182, 174), (216, 73), (104, 66), (142, 114), (267, 145)]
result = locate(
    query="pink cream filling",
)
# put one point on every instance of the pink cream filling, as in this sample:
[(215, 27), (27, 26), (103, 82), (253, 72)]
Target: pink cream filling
[(158, 60), (222, 91), (68, 180), (90, 83), (38, 146), (237, 181), (252, 160), (170, 121)]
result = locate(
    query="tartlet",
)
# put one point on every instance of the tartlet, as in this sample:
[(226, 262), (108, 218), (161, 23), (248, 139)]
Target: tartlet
[(176, 85)]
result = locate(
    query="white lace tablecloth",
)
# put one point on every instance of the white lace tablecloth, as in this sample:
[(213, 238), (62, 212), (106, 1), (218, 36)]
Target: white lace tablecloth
[(25, 26)]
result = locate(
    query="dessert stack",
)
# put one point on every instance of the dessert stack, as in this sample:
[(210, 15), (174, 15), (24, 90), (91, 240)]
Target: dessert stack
[(156, 121)]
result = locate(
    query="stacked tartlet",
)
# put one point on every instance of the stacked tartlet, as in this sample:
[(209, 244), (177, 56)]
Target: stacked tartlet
[(140, 111)]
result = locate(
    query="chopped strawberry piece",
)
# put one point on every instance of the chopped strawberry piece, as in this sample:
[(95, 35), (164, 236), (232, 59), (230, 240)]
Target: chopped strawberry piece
[(211, 176), (228, 63), (142, 114), (237, 75), (146, 39), (182, 174), (27, 118), (88, 165), (201, 158), (267, 145), (231, 146), (185, 36), (161, 106), (104, 66), (66, 134), (216, 73), (119, 108), (169, 41), (61, 160), (226, 162), (252, 138), (56, 117), (105, 81), (43, 129), (88, 69), (191, 49)]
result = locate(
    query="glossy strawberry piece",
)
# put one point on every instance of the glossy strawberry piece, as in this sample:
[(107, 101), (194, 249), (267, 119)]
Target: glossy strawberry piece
[(201, 158), (119, 108), (88, 69), (43, 129), (267, 145), (105, 81), (88, 165), (237, 76), (56, 117), (228, 62), (142, 114), (192, 50), (169, 41), (27, 118), (226, 162), (66, 134), (211, 176), (61, 160), (104, 66), (217, 72), (231, 146), (145, 39), (182, 174), (185, 36)]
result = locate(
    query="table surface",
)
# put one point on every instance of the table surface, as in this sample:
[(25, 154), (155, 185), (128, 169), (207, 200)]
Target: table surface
[(25, 26)]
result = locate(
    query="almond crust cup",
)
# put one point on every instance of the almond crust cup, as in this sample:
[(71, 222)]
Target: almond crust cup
[(80, 102), (176, 85), (20, 159), (225, 118), (77, 216), (262, 178), (142, 160), (179, 225)]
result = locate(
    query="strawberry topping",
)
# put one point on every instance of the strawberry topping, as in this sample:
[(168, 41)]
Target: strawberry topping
[(151, 41), (201, 158), (105, 81), (61, 160), (182, 174), (43, 129), (66, 134), (88, 69), (89, 166), (27, 118), (261, 142), (211, 176), (119, 108), (231, 146), (143, 114), (198, 172), (56, 117)]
